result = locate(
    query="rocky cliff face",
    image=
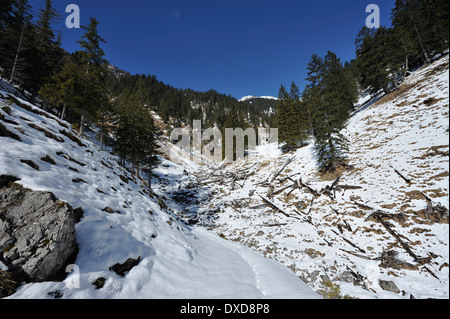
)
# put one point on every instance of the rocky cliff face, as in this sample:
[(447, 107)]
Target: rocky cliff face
[(37, 233)]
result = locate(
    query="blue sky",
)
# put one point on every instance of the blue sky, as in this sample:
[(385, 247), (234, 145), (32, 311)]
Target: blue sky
[(245, 47)]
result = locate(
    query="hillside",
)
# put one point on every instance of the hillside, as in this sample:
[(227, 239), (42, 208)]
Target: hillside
[(125, 219), (376, 230)]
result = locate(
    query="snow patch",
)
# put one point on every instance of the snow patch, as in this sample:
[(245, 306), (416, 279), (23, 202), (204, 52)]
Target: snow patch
[(251, 97)]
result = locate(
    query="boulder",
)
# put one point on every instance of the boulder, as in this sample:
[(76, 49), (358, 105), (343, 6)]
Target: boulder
[(388, 286), (37, 234), (121, 269)]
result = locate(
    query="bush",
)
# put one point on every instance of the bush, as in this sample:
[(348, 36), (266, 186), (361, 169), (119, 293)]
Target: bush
[(332, 291)]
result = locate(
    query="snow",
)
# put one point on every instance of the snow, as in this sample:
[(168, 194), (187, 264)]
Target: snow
[(251, 97), (177, 261), (198, 265)]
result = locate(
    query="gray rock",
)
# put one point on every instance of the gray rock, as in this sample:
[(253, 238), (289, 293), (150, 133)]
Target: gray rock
[(37, 233), (388, 286), (346, 277), (314, 275)]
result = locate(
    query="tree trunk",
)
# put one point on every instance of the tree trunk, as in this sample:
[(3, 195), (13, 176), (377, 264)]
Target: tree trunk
[(83, 120), (63, 114), (425, 54), (419, 38), (395, 83), (137, 170), (310, 123), (406, 59), (149, 178), (17, 55), (33, 96)]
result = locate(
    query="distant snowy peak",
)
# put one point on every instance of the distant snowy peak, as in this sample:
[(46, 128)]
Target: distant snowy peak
[(251, 97)]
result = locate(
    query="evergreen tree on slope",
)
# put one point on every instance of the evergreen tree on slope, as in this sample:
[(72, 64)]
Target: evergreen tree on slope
[(331, 96)]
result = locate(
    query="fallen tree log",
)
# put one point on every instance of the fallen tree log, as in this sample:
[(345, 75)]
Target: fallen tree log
[(272, 225), (294, 187), (400, 218), (310, 205), (353, 245), (289, 178), (389, 260), (360, 205), (289, 161), (346, 187), (357, 255), (274, 206), (349, 242), (311, 190), (260, 206), (336, 181), (211, 182), (282, 189), (432, 273), (397, 237), (407, 180)]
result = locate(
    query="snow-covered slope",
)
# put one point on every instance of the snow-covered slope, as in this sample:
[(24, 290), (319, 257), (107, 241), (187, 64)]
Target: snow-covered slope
[(340, 237), (316, 238), (176, 261)]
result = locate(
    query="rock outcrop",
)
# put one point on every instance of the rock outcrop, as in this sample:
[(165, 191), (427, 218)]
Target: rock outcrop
[(37, 233)]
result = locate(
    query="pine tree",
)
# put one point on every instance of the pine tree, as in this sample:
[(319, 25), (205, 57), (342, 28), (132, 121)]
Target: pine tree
[(312, 96), (92, 54), (375, 62), (293, 119), (406, 15), (93, 66), (295, 124), (15, 27), (426, 23), (331, 96), (64, 88), (45, 55), (21, 28), (134, 132), (234, 120), (6, 13), (282, 115), (306, 111), (440, 18), (6, 22), (69, 89)]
